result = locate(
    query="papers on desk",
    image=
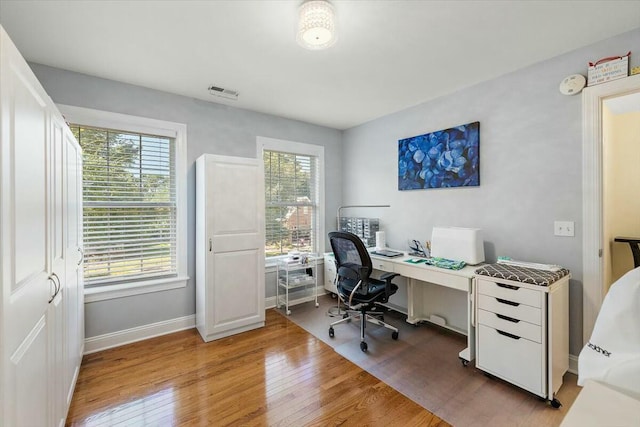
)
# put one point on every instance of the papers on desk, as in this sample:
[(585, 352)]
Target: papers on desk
[(449, 264), (387, 253)]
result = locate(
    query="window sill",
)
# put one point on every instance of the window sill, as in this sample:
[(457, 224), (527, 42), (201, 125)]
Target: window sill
[(121, 290)]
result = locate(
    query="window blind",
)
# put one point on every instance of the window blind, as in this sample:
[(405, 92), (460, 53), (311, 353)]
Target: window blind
[(291, 202), (129, 201)]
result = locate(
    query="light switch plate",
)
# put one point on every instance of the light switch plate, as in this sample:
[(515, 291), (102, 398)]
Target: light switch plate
[(564, 228)]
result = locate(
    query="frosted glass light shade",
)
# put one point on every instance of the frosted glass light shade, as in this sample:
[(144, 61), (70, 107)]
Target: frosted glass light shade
[(316, 25)]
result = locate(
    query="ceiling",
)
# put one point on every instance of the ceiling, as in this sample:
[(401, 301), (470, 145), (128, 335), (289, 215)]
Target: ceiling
[(390, 55)]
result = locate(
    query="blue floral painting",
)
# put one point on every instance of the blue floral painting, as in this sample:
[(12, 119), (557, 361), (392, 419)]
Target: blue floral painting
[(442, 159)]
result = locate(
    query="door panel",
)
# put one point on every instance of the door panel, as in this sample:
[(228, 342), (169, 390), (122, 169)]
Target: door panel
[(73, 293), (56, 164), (24, 239), (28, 380), (235, 199), (29, 204), (235, 300)]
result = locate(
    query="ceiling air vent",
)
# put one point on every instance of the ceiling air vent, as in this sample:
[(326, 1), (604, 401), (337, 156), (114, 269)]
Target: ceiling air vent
[(223, 93)]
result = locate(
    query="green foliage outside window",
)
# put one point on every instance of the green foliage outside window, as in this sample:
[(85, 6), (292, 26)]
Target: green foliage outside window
[(129, 205)]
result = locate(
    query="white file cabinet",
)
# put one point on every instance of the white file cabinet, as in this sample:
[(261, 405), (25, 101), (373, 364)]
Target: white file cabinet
[(330, 273), (522, 333)]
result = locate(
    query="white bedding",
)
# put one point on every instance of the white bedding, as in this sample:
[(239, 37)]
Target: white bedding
[(612, 354)]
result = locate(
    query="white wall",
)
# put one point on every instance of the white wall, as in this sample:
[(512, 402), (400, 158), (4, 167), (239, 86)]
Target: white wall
[(530, 166)]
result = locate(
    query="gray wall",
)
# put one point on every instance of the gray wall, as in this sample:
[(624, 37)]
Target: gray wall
[(530, 166), (211, 128)]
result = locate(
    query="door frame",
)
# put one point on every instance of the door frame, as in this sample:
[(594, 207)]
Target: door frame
[(592, 227)]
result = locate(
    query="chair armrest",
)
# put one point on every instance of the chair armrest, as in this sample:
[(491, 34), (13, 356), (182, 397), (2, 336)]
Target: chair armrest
[(388, 276)]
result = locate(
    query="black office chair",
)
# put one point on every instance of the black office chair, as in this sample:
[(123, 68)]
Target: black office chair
[(359, 292)]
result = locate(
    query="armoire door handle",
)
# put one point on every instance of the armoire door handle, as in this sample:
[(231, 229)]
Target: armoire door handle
[(210, 245), (59, 284), (56, 284)]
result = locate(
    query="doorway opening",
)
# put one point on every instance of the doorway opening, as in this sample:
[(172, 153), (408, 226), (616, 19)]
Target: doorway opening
[(595, 284)]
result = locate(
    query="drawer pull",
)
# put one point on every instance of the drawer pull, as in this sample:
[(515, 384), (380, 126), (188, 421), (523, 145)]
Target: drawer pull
[(510, 319), (513, 288), (504, 301), (507, 334)]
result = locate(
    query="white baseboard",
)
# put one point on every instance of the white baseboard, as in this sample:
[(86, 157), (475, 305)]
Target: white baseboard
[(127, 336), (573, 364)]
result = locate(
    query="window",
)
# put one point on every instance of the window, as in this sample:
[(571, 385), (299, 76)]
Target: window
[(132, 189), (293, 197)]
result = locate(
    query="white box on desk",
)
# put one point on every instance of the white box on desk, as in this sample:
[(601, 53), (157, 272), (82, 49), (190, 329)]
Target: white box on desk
[(457, 243)]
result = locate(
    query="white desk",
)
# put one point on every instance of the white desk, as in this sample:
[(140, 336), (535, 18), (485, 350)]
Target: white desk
[(435, 294)]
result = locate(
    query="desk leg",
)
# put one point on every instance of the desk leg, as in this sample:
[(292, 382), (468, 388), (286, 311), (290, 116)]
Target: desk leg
[(411, 301), (468, 354)]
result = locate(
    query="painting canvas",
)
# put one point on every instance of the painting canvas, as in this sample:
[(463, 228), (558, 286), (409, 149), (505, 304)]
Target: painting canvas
[(443, 159)]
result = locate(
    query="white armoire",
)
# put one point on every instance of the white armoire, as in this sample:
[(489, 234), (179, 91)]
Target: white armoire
[(230, 257), (41, 291)]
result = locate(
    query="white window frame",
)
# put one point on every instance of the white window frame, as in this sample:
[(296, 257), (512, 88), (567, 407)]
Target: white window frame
[(178, 131), (272, 144)]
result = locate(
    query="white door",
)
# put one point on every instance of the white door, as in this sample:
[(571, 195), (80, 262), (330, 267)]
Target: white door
[(57, 268), (73, 291), (235, 211), (26, 289)]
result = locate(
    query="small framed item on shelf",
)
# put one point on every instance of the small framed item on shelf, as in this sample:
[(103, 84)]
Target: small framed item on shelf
[(607, 69)]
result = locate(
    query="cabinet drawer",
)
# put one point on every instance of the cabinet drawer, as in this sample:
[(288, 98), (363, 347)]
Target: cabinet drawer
[(382, 265), (518, 361), (519, 328), (511, 309), (512, 293)]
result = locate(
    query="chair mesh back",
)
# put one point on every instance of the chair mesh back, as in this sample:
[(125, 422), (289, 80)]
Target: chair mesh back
[(349, 249)]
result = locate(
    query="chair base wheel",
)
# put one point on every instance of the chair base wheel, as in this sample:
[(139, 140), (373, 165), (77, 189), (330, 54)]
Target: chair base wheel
[(331, 333), (363, 346), (555, 403), (394, 335)]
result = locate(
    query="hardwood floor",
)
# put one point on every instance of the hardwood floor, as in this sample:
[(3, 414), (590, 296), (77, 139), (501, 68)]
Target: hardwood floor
[(423, 365), (277, 375)]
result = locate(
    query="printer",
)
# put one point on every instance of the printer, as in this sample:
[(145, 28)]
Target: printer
[(457, 243)]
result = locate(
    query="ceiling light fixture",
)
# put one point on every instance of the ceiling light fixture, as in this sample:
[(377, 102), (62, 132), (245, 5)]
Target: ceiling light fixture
[(316, 25)]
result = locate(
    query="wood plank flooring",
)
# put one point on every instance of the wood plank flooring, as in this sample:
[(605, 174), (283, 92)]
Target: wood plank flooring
[(279, 375), (423, 365)]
